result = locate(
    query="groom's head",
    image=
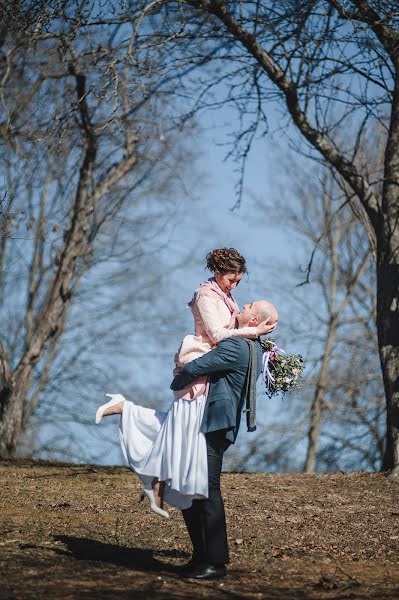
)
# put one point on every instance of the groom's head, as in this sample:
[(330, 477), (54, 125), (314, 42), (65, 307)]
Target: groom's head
[(256, 312)]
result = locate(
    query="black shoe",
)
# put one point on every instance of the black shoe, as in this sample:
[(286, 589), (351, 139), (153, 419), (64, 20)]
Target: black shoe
[(206, 571), (190, 565)]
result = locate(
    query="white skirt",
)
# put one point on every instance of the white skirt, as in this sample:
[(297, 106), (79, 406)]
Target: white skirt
[(169, 446)]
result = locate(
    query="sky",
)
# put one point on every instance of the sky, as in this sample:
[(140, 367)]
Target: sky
[(207, 221)]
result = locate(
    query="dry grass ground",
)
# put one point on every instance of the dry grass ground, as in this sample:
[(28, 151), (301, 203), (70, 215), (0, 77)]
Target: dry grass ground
[(81, 532)]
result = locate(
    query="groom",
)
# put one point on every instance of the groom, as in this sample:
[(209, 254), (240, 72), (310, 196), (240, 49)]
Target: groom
[(233, 368)]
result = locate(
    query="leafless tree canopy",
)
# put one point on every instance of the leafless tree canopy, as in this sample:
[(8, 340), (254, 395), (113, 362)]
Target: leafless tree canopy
[(317, 67), (337, 420), (327, 65), (90, 163)]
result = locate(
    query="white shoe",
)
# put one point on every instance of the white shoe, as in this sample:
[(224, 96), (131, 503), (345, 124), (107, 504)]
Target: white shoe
[(149, 492), (115, 399)]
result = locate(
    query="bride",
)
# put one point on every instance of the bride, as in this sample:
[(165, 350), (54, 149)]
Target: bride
[(166, 449)]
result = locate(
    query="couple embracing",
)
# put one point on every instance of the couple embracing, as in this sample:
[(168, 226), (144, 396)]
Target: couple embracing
[(178, 454)]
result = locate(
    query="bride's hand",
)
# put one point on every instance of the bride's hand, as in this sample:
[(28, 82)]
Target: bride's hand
[(265, 327)]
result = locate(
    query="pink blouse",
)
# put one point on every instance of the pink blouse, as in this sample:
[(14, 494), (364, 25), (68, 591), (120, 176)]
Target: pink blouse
[(214, 320)]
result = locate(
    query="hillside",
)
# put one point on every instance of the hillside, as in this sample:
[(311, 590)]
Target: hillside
[(72, 531)]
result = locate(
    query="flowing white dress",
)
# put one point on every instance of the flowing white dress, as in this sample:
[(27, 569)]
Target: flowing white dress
[(169, 446)]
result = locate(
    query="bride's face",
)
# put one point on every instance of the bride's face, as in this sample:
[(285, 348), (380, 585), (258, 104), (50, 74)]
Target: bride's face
[(227, 281)]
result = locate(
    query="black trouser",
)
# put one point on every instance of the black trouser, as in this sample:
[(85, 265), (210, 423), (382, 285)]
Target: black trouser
[(205, 519)]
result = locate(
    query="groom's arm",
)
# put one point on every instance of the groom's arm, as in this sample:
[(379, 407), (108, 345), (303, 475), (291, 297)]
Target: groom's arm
[(222, 358)]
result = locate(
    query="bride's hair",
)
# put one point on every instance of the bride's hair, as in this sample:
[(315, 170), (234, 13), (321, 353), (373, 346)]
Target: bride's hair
[(225, 260)]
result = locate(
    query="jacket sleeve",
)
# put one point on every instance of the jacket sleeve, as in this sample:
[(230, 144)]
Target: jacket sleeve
[(221, 359), (207, 309)]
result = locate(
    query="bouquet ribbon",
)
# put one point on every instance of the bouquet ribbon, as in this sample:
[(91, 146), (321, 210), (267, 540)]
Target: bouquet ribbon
[(266, 374)]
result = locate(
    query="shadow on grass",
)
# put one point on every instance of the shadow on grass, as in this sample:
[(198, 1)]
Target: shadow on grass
[(238, 586), (138, 559)]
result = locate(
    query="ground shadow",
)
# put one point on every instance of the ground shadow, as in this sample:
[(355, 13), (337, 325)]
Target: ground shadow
[(142, 560), (139, 559)]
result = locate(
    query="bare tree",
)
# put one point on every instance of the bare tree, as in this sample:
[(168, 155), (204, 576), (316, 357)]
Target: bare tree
[(337, 419), (90, 159), (338, 282), (342, 276), (329, 64)]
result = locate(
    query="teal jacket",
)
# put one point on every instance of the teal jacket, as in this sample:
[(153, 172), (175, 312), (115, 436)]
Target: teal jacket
[(227, 366)]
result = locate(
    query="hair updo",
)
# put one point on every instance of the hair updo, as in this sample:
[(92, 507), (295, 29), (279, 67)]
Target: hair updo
[(225, 260)]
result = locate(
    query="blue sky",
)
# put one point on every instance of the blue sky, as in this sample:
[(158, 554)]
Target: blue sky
[(205, 221), (208, 221)]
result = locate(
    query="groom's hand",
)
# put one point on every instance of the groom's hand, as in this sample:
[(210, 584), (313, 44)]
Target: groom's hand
[(266, 327)]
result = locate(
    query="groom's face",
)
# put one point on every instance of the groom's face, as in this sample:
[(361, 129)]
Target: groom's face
[(246, 316)]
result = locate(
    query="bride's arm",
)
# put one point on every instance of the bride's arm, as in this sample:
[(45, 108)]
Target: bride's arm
[(208, 311)]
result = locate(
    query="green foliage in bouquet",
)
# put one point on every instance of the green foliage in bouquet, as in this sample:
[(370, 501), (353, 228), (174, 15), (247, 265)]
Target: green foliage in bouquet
[(281, 372)]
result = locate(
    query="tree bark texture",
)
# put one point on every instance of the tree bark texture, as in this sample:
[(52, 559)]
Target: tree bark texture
[(388, 284)]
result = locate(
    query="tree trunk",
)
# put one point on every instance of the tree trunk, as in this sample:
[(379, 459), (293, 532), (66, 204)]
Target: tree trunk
[(12, 400), (315, 410), (388, 283), (10, 413), (388, 342), (11, 417)]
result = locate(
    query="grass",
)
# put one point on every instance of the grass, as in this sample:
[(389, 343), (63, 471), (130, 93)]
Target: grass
[(70, 531)]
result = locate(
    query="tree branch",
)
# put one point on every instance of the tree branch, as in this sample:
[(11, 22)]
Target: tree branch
[(317, 138)]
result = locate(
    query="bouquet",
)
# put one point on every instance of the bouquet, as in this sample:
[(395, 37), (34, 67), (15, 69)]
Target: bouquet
[(281, 372)]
